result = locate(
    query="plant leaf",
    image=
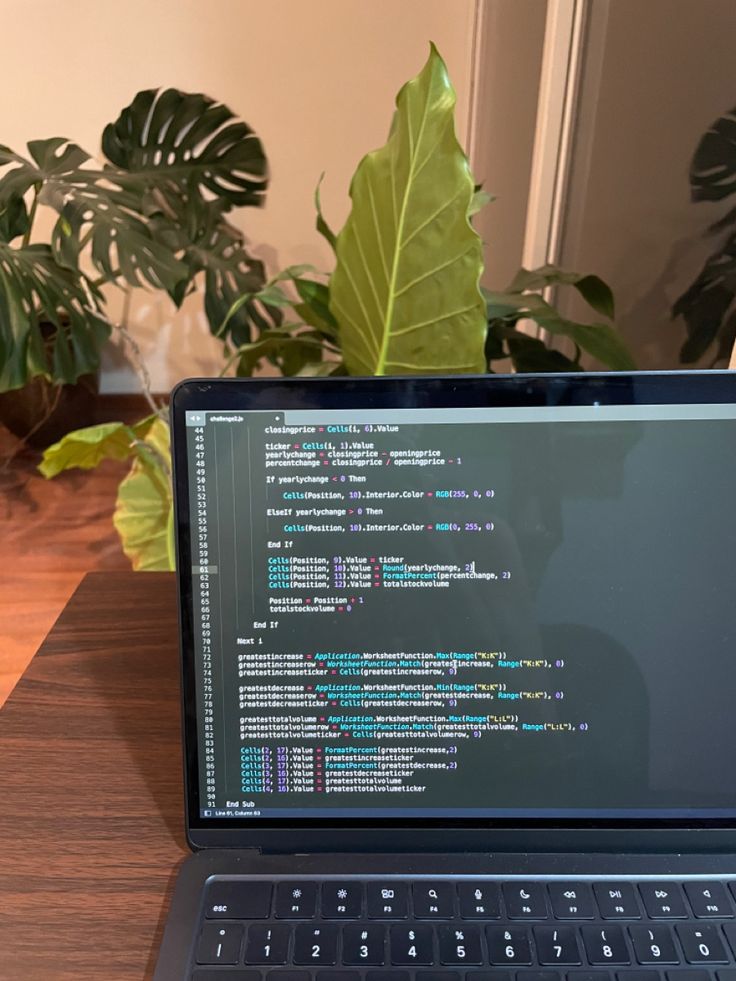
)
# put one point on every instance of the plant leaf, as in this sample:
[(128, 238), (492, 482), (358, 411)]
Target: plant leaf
[(713, 167), (530, 354), (13, 217), (705, 303), (593, 290), (122, 243), (602, 341), (315, 306), (405, 287), (210, 244), (179, 142), (35, 289), (56, 162), (322, 227), (87, 448), (144, 505), (288, 350)]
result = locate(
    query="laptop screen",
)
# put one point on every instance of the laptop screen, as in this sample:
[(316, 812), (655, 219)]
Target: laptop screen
[(461, 612)]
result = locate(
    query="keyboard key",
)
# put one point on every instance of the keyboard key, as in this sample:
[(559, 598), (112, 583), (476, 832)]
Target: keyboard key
[(688, 976), (388, 900), (588, 976), (571, 901), (663, 900), (363, 944), (479, 900), (433, 900), (730, 930), (701, 943), (556, 945), (342, 900), (267, 944), (508, 945), (384, 976), (411, 945), (460, 944), (605, 945), (219, 943), (287, 976), (708, 899), (296, 900), (637, 975), (315, 944), (653, 945), (525, 900), (728, 975), (616, 901), (227, 975), (338, 976), (537, 976), (489, 976), (237, 900), (437, 976)]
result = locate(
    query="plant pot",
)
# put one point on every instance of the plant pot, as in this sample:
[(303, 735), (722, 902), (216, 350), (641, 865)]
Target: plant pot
[(41, 413)]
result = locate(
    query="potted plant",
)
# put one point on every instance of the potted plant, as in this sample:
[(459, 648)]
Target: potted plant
[(152, 213), (404, 298)]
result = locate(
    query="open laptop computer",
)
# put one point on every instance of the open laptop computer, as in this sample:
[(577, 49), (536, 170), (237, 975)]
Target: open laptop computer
[(459, 676)]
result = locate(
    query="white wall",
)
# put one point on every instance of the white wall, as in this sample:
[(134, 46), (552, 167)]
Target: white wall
[(316, 80)]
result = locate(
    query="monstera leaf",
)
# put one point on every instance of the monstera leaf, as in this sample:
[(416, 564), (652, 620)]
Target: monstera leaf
[(55, 164), (35, 290), (405, 288), (708, 305), (86, 199), (208, 243), (174, 141)]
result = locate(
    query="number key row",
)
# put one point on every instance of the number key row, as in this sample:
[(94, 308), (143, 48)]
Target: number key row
[(460, 944)]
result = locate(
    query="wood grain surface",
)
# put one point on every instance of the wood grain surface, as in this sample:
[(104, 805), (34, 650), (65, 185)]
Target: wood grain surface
[(91, 799)]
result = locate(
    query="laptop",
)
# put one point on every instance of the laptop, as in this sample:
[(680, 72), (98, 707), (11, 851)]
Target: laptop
[(459, 678)]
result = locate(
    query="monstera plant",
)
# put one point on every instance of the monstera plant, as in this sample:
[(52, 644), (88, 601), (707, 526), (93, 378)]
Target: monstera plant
[(404, 298), (152, 213), (708, 306)]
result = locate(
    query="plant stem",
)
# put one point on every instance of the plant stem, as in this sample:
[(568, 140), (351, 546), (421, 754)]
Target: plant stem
[(31, 216)]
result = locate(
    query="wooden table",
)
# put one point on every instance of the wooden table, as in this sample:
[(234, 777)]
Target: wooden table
[(91, 800)]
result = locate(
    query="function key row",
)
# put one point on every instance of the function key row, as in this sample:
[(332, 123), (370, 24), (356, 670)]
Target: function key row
[(471, 900)]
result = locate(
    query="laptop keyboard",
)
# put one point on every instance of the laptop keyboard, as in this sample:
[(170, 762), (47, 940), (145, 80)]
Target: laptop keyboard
[(466, 930)]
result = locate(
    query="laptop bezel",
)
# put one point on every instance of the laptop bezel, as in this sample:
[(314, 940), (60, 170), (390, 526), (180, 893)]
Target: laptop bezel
[(206, 394)]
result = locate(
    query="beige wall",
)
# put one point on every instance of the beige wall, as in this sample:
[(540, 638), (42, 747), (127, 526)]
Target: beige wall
[(316, 80), (506, 92), (665, 70)]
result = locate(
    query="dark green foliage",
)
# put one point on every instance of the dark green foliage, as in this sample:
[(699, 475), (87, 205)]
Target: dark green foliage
[(707, 305)]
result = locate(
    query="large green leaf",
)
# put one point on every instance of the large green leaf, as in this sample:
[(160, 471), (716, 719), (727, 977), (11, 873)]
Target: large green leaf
[(34, 290), (176, 141), (405, 287), (87, 448), (144, 504)]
